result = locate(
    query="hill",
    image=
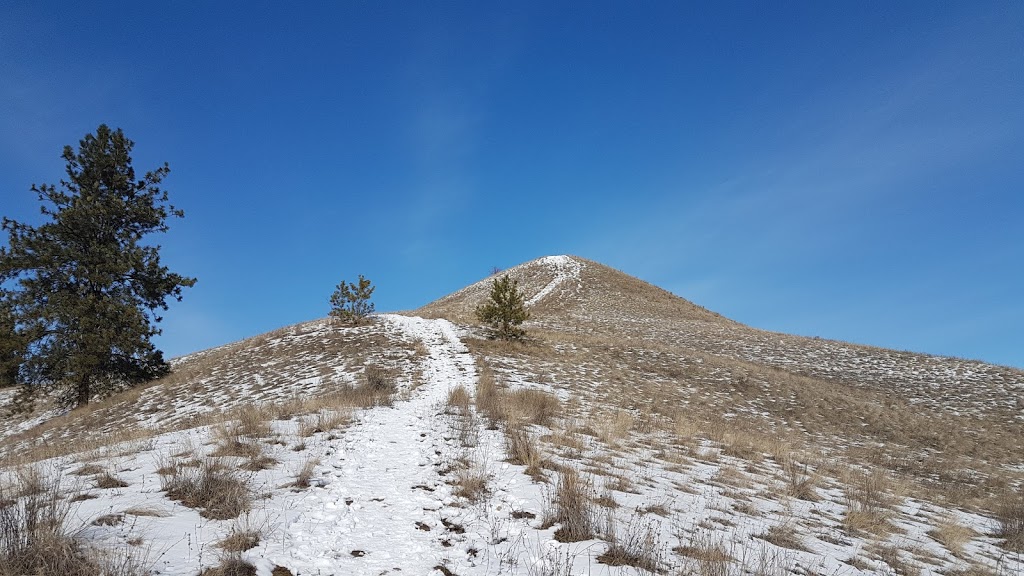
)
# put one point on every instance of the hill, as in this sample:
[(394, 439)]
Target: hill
[(633, 432)]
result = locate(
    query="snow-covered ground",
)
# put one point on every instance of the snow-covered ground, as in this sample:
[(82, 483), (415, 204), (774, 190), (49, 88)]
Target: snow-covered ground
[(383, 495)]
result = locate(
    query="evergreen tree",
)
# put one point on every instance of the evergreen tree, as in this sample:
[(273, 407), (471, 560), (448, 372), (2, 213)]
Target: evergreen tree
[(351, 301), (11, 346), (505, 311), (86, 291)]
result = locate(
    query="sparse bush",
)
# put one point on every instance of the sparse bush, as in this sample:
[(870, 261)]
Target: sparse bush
[(231, 565), (952, 535), (35, 538), (523, 450), (219, 492), (532, 405), (305, 474), (572, 508), (1010, 515), (107, 481), (458, 400), (637, 545)]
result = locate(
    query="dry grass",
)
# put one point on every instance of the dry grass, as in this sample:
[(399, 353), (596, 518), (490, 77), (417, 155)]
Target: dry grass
[(783, 536), (532, 405), (571, 506), (305, 474), (953, 535), (35, 538), (106, 481), (231, 565), (220, 493), (637, 545), (868, 504), (471, 483), (459, 400), (522, 449), (1010, 516)]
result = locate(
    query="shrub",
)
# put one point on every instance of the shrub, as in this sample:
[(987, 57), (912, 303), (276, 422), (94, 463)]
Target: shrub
[(532, 405), (35, 539), (572, 508), (1010, 515), (522, 449), (458, 399), (219, 492), (637, 545)]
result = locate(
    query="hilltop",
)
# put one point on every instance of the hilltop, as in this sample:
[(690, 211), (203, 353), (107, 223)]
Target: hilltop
[(634, 431)]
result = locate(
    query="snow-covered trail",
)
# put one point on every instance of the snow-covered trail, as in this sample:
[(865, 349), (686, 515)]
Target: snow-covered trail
[(565, 269), (380, 507)]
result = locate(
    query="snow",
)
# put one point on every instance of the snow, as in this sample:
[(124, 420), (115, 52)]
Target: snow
[(564, 267), (379, 501)]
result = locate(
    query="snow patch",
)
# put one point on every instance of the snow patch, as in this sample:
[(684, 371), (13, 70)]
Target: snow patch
[(564, 267)]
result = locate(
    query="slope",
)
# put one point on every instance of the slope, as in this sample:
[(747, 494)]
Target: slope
[(633, 432)]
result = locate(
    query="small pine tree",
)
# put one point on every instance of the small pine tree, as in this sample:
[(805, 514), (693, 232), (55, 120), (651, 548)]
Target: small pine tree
[(350, 302), (506, 310)]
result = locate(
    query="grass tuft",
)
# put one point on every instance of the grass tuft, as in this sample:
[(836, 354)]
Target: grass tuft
[(219, 492)]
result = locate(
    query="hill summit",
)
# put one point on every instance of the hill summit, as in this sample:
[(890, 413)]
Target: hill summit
[(632, 432)]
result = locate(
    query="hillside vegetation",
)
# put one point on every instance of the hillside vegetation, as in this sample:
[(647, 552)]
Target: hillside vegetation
[(631, 431)]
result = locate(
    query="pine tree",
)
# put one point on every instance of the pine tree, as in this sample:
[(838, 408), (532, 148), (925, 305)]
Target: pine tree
[(350, 302), (11, 346), (505, 311), (86, 291)]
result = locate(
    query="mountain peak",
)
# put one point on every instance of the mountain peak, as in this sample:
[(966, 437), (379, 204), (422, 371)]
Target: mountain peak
[(574, 289)]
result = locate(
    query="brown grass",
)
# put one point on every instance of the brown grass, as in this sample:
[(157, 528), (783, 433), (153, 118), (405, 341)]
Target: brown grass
[(107, 481), (953, 535), (522, 449), (220, 493), (459, 400), (637, 545), (1010, 516), (305, 474), (35, 538), (572, 508), (868, 504), (231, 565)]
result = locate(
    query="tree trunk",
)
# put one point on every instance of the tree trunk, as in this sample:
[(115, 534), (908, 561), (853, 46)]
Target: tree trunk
[(82, 389)]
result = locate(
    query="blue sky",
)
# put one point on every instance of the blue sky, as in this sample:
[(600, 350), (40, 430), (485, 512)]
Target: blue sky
[(850, 170)]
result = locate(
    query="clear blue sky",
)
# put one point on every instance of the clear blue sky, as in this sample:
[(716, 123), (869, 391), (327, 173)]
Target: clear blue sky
[(850, 170)]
